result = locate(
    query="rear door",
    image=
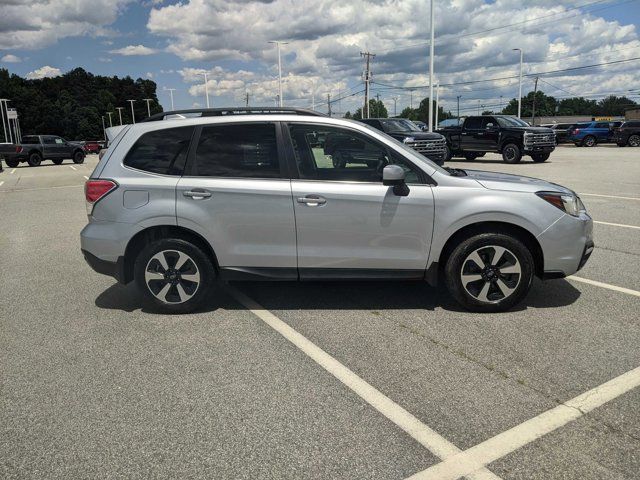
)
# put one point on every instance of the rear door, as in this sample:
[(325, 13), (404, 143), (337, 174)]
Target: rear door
[(236, 193), (348, 222), (602, 131), (49, 148)]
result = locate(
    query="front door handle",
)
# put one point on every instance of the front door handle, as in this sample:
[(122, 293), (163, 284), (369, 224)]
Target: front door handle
[(197, 194), (312, 200)]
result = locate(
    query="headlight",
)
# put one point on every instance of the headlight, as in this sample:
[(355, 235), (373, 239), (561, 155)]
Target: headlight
[(409, 140), (567, 202)]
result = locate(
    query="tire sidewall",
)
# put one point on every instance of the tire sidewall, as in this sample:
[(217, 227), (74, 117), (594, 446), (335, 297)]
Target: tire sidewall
[(202, 261), (637, 137), (540, 158), (12, 163), (35, 159), (589, 139), (453, 268), (518, 153), (78, 157)]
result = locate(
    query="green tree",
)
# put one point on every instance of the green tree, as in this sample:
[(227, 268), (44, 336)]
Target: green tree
[(376, 110)]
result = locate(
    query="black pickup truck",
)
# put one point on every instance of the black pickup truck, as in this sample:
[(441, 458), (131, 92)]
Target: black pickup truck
[(510, 136), (431, 145), (35, 148)]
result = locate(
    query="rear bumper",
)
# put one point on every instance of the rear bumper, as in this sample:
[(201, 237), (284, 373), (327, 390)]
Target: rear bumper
[(104, 267)]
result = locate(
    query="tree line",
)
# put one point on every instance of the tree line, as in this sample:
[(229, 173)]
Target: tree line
[(72, 105)]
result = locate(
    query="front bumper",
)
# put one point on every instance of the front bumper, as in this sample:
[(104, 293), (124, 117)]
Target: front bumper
[(539, 148), (567, 245)]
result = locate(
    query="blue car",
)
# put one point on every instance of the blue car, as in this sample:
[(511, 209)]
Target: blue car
[(589, 134)]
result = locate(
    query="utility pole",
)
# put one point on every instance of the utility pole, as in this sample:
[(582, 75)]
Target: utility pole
[(329, 102), (431, 54), (171, 90), (520, 83), (4, 126), (367, 78), (458, 97), (133, 114), (206, 88), (246, 99), (148, 107), (104, 130), (278, 43), (110, 122), (533, 112), (437, 102), (501, 107), (377, 105), (120, 113), (411, 99), (478, 107), (395, 109)]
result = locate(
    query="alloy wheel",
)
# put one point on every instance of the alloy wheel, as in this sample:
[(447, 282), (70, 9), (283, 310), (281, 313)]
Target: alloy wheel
[(172, 276), (491, 273), (510, 153), (634, 140)]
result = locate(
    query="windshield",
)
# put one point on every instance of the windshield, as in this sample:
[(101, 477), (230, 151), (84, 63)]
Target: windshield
[(409, 152), (511, 122), (399, 126)]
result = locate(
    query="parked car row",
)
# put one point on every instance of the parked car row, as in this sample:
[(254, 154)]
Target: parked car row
[(35, 148)]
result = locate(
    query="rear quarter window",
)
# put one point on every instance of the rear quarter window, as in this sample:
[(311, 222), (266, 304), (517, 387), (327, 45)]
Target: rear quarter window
[(161, 151)]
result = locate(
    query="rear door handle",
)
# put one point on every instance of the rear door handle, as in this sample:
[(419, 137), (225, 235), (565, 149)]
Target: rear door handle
[(312, 200), (197, 194)]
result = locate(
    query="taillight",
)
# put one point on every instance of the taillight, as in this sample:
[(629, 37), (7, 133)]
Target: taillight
[(18, 149), (94, 190), (577, 130)]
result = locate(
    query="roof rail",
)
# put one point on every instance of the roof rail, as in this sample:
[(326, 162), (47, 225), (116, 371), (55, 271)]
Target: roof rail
[(218, 112)]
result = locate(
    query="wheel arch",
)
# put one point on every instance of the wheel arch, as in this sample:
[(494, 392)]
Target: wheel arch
[(158, 232), (510, 139), (521, 233)]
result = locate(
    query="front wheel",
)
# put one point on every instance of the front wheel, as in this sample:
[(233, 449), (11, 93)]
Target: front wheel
[(589, 141), (12, 163), (511, 153), (174, 276), (78, 157), (540, 157), (489, 272), (634, 141)]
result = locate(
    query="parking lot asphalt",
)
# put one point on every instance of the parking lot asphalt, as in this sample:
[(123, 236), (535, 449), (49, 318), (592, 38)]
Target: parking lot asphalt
[(318, 380)]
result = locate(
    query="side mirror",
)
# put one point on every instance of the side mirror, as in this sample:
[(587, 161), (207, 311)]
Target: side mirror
[(490, 126), (393, 175)]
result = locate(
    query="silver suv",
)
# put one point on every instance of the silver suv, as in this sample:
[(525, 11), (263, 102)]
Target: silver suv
[(188, 198)]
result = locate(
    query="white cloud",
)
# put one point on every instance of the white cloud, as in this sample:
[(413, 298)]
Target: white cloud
[(9, 58), (149, 75), (44, 72), (104, 59), (28, 24), (132, 50)]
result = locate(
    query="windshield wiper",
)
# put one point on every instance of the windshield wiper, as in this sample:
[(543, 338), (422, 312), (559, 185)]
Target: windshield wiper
[(456, 172)]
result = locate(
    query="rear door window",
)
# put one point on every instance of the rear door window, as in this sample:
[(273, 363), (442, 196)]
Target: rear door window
[(247, 150), (473, 123), (161, 151)]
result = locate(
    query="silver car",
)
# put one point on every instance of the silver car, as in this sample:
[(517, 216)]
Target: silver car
[(186, 199)]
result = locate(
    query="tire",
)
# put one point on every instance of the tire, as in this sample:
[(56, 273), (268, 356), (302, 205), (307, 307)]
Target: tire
[(621, 144), (589, 141), (12, 163), (578, 144), (78, 157), (160, 287), (540, 157), (511, 153), (634, 140), (35, 159), (501, 284), (57, 161), (470, 156), (447, 154), (480, 154)]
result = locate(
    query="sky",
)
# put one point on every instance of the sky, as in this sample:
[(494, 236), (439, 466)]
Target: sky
[(175, 42)]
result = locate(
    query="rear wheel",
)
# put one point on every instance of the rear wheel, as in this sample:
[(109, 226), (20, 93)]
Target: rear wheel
[(511, 153), (35, 159), (489, 272), (57, 161), (174, 275), (12, 163), (540, 157), (634, 141), (589, 141), (78, 157)]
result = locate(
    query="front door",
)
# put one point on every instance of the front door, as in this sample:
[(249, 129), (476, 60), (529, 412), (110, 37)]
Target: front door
[(472, 134), (236, 194), (349, 223)]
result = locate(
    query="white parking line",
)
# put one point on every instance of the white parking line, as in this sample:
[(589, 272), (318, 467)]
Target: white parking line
[(71, 167), (2, 182), (428, 438), (607, 196), (12, 171), (86, 178), (617, 224), (484, 453), (615, 288)]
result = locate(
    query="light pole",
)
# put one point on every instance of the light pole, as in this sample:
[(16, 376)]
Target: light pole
[(431, 53), (206, 88), (458, 97), (278, 43), (133, 114), (171, 90), (395, 110), (4, 127), (104, 130), (520, 82), (501, 108), (148, 107), (437, 102), (120, 113), (110, 122)]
